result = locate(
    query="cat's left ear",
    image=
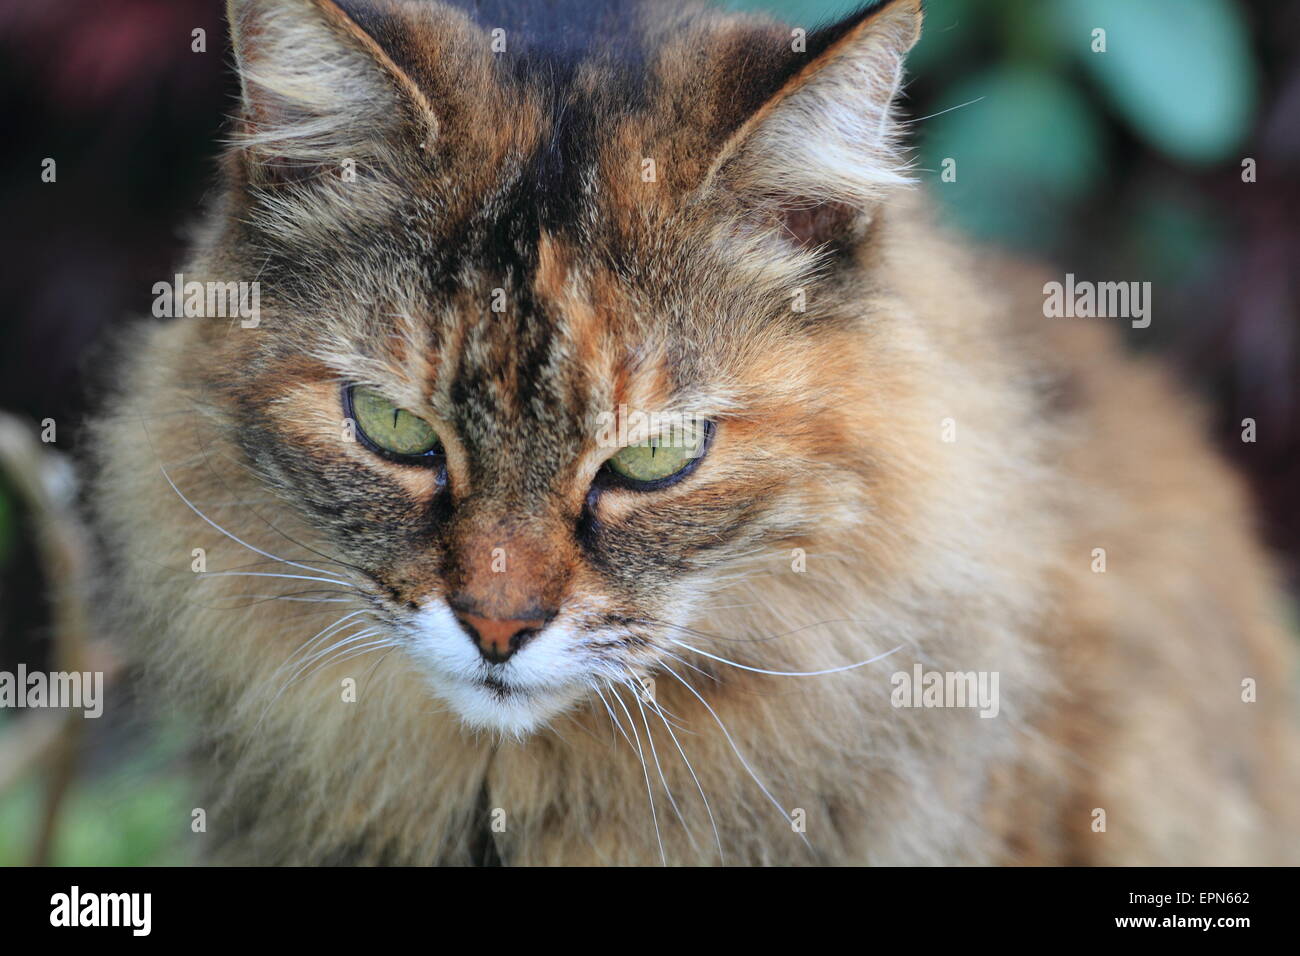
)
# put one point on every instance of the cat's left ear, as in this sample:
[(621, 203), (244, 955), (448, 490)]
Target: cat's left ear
[(816, 158), (319, 93)]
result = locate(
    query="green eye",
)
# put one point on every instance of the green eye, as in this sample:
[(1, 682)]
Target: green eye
[(388, 427), (669, 455)]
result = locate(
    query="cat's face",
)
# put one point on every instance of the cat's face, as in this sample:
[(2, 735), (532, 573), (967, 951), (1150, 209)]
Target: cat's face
[(541, 404)]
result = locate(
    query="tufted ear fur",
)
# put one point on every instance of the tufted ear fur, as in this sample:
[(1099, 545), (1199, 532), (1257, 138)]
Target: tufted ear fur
[(821, 152), (319, 94)]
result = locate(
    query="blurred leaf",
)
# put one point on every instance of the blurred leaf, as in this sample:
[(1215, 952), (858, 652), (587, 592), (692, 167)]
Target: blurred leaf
[(1171, 238), (19, 811), (1179, 71), (950, 26), (1025, 148), (124, 823), (136, 814), (799, 13)]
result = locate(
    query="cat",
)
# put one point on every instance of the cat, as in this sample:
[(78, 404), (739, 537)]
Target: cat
[(621, 463)]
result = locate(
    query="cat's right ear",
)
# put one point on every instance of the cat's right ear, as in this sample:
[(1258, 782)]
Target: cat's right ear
[(812, 163), (320, 96)]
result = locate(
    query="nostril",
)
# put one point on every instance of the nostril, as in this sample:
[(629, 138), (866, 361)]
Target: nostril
[(497, 639)]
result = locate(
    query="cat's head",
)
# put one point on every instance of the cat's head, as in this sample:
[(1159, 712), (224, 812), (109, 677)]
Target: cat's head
[(493, 266)]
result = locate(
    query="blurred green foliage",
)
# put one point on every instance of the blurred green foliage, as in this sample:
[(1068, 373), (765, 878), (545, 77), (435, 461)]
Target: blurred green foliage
[(1012, 180), (135, 813), (1180, 72), (1015, 93), (136, 828)]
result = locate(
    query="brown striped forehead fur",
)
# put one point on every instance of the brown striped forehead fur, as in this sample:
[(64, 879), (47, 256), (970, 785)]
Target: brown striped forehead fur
[(523, 189)]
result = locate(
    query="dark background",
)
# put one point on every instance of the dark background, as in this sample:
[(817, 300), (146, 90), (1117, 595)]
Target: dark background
[(1123, 165)]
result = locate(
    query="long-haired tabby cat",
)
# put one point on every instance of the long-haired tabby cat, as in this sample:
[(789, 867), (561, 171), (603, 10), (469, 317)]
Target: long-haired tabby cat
[(615, 443)]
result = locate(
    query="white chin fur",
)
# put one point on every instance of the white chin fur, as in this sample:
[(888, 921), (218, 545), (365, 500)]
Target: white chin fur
[(516, 714), (541, 677)]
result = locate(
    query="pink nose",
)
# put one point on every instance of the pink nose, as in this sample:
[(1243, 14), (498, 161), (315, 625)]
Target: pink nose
[(498, 639)]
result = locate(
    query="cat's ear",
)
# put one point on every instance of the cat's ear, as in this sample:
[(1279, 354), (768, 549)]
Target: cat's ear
[(818, 155), (319, 94)]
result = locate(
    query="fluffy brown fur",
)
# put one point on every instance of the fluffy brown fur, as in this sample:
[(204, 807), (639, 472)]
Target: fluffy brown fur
[(777, 172)]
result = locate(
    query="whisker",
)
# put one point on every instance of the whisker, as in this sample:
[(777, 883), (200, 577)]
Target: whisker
[(636, 696), (654, 754), (208, 462), (680, 659), (265, 574), (349, 653), (265, 554), (741, 757), (645, 770), (306, 663), (922, 119), (694, 632), (340, 587), (613, 740), (612, 718), (312, 640), (654, 705), (374, 667), (339, 652), (278, 694), (663, 710), (331, 631), (253, 600), (759, 670)]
